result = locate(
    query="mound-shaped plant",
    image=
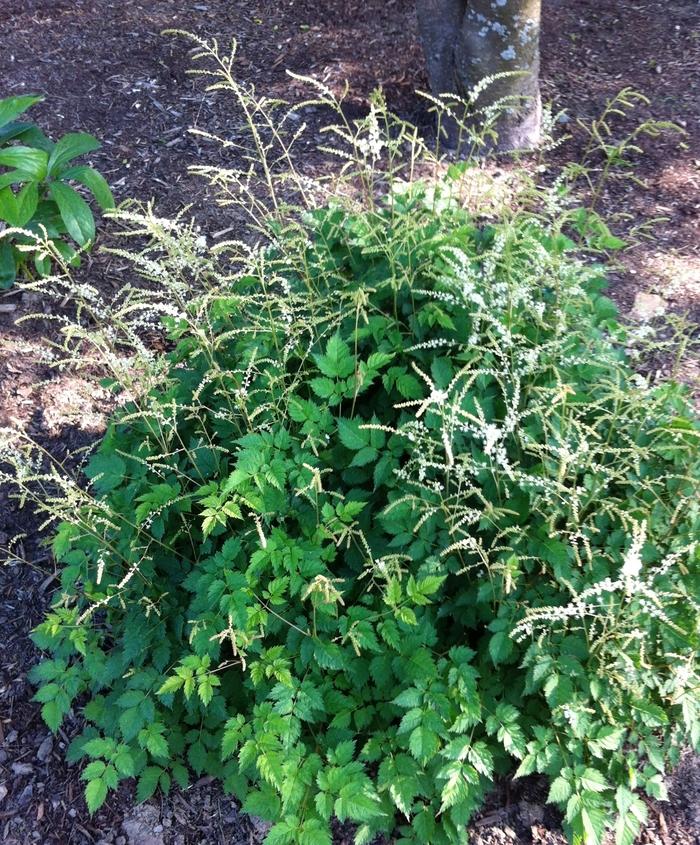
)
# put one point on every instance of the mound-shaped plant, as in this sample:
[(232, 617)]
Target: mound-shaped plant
[(399, 518), (395, 518)]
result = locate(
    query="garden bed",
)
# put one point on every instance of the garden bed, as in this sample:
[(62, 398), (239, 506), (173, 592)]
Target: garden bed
[(107, 69)]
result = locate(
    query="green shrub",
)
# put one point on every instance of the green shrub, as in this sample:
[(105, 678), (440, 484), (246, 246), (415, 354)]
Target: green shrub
[(37, 205), (400, 516), (393, 518)]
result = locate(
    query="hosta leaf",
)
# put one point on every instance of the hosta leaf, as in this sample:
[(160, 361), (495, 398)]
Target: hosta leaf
[(13, 107), (68, 147), (8, 268), (26, 160), (93, 181), (75, 212)]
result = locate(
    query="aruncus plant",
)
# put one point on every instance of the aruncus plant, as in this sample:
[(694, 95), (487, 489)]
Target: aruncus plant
[(393, 518)]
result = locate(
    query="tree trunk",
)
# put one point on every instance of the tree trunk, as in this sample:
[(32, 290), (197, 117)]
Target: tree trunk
[(466, 41)]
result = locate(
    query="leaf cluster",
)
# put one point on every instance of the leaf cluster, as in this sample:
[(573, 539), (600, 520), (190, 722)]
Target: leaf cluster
[(38, 205), (397, 519)]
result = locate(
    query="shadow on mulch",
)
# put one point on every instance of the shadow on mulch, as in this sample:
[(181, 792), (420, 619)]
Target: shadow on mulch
[(105, 68)]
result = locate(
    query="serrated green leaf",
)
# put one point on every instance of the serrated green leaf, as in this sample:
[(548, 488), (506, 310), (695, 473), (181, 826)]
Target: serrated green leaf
[(423, 743), (351, 435), (106, 471), (147, 783), (171, 685), (93, 770), (409, 698), (500, 647), (424, 826), (95, 794), (337, 362), (559, 791)]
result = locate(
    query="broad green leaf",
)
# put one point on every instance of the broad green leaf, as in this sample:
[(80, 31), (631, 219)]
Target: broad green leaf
[(13, 107), (8, 207), (26, 160), (93, 181), (68, 147), (15, 177), (28, 133), (75, 212), (8, 268), (27, 202)]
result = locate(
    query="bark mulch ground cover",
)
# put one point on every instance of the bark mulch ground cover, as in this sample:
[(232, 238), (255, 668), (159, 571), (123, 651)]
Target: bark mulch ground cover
[(106, 68)]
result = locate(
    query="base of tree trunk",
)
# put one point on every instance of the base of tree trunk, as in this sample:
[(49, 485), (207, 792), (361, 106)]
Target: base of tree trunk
[(515, 130), (467, 41)]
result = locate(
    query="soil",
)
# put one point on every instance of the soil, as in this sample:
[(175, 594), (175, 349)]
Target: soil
[(105, 68)]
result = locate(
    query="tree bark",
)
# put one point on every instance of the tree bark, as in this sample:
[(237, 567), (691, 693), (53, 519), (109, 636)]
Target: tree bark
[(466, 41)]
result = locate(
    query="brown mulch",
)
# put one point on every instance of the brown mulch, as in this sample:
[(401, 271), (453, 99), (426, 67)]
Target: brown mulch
[(105, 68)]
